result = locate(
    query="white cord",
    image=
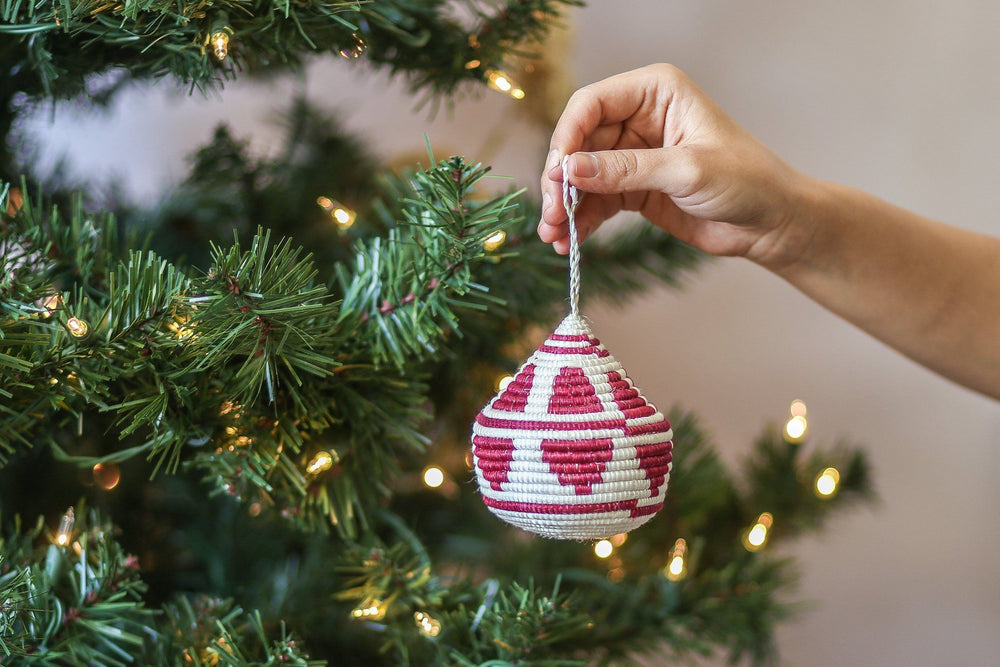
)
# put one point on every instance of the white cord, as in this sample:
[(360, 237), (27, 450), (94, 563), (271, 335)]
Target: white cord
[(571, 198)]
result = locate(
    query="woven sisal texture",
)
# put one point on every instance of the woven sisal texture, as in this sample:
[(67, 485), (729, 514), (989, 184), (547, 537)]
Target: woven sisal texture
[(571, 449)]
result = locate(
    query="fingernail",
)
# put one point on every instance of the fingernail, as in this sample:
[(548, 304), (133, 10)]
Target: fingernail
[(553, 158), (546, 202), (586, 165)]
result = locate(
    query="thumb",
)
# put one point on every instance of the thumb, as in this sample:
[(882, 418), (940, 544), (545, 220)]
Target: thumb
[(670, 170)]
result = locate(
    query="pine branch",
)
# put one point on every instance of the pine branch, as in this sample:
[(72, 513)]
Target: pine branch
[(724, 595), (79, 600), (154, 38), (212, 631), (419, 282), (255, 357), (76, 598)]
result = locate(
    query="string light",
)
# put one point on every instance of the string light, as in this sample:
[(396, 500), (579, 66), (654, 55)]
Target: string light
[(107, 475), (797, 426), (494, 240), (756, 537), (71, 379), (504, 382), (827, 483), (676, 568), (322, 462), (219, 35), (473, 64), (354, 51), (52, 303), (433, 477), (180, 328), (798, 408), (372, 609), (427, 624), (220, 43), (77, 328), (340, 214), (501, 81), (604, 549), (231, 407), (618, 540), (65, 532)]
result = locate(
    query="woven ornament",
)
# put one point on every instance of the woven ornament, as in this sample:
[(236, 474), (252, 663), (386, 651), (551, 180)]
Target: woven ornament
[(571, 449)]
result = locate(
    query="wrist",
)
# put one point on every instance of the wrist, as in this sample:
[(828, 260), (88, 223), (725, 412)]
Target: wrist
[(792, 228)]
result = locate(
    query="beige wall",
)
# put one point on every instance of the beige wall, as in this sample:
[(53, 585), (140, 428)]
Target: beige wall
[(899, 98)]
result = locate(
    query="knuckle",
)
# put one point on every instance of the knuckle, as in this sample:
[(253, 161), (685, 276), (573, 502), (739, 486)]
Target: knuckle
[(668, 71), (691, 172), (582, 97), (623, 165)]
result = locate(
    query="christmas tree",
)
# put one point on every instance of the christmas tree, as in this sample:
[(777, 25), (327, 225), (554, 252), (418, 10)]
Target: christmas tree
[(235, 426)]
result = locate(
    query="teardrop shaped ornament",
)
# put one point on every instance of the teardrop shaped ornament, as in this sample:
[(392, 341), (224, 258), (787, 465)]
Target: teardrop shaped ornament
[(571, 449)]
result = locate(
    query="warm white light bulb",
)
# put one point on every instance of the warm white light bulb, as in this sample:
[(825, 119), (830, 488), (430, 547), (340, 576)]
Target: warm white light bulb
[(77, 328), (371, 609), (220, 44), (502, 82), (427, 624), (677, 566), (51, 303), (604, 548), (798, 408), (65, 532), (756, 537), (433, 476), (495, 240), (340, 214), (355, 50), (180, 328), (322, 462), (827, 482), (795, 428)]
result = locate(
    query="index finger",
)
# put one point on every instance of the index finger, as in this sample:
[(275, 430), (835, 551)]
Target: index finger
[(612, 101), (603, 104)]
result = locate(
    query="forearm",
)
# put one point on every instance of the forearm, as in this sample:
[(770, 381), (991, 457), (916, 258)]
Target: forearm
[(929, 290)]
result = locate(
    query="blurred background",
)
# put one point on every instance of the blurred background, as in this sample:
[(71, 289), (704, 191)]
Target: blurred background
[(897, 98)]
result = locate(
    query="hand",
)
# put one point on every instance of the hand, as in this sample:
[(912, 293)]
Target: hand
[(657, 144)]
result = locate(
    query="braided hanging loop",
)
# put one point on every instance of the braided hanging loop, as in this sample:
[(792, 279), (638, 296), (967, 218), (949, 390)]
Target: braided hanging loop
[(571, 449)]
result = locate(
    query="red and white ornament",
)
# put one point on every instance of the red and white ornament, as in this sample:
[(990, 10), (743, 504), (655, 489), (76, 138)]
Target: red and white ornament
[(571, 449)]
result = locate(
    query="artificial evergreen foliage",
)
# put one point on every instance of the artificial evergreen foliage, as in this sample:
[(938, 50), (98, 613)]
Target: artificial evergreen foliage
[(238, 395), (51, 47)]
